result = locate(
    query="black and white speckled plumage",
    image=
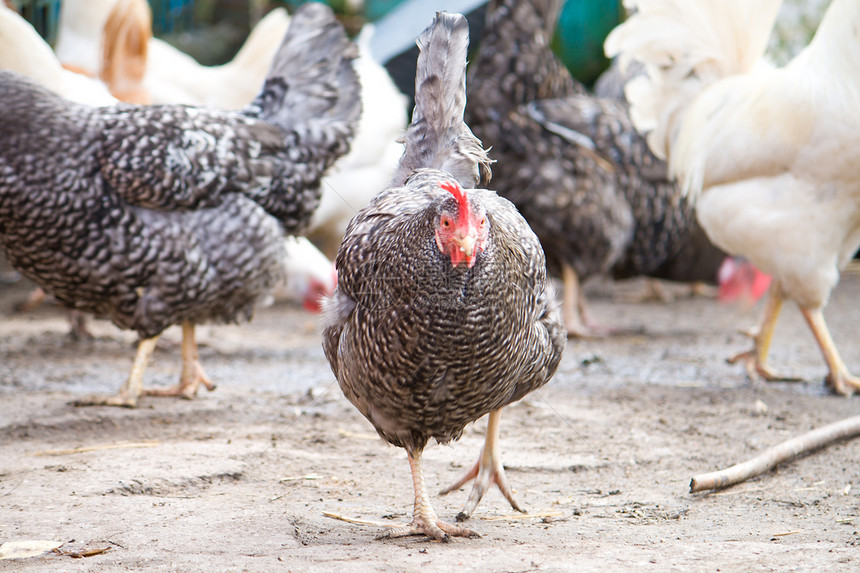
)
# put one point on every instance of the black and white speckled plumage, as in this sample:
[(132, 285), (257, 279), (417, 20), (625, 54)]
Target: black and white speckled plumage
[(422, 347), (156, 215), (574, 164)]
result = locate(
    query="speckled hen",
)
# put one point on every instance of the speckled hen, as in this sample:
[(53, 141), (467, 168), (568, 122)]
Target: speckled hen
[(442, 312), (574, 165), (162, 215)]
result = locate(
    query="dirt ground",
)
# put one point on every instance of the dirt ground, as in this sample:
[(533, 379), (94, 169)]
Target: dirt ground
[(242, 478)]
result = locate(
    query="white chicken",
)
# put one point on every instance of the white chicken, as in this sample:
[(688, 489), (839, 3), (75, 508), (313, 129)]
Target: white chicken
[(310, 275), (23, 50), (171, 75), (770, 154)]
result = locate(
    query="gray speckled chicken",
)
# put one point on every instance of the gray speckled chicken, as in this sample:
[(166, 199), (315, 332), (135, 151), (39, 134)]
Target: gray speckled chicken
[(442, 312), (162, 215), (573, 164)]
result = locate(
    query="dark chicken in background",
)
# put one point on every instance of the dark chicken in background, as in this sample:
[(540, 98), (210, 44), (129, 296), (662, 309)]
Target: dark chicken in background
[(575, 166), (442, 311), (162, 215)]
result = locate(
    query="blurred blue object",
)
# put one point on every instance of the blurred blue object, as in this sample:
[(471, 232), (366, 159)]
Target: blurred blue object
[(169, 16), (582, 28), (376, 9), (398, 30), (44, 15)]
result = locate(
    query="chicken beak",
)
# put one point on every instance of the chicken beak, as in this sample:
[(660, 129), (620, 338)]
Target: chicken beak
[(467, 245)]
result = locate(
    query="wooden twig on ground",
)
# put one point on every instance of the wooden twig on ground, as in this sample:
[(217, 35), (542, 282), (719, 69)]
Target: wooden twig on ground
[(515, 516), (150, 444), (808, 442), (359, 521)]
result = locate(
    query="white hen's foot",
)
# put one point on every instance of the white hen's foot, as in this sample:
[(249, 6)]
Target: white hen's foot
[(844, 383), (840, 379), (759, 370), (755, 359)]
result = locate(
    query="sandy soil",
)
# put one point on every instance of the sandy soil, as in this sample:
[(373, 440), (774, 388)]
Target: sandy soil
[(241, 479)]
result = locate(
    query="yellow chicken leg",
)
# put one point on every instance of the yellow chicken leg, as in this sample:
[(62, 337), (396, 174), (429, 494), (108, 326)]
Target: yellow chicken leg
[(192, 372), (574, 307), (424, 520), (133, 387), (755, 360), (486, 471), (840, 379)]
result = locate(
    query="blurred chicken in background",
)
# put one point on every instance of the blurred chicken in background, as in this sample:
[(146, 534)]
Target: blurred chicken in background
[(161, 215), (768, 154), (355, 178), (575, 166)]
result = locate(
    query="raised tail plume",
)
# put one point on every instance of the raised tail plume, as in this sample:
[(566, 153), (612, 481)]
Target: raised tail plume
[(311, 85), (437, 137), (685, 46)]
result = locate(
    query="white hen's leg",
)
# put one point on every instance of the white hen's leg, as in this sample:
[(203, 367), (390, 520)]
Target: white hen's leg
[(755, 360), (840, 379), (424, 520), (486, 471), (192, 372), (133, 387)]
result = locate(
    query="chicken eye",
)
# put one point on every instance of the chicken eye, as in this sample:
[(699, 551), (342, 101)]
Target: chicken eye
[(446, 222), (483, 221)]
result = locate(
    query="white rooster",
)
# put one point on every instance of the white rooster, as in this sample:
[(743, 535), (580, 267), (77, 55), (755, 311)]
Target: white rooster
[(770, 154)]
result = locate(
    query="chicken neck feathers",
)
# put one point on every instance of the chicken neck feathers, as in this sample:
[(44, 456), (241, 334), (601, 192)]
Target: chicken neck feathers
[(686, 46)]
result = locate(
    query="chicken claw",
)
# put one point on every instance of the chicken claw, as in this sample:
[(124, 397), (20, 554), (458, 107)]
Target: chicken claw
[(192, 372), (431, 526), (424, 520), (755, 359), (839, 379), (486, 471), (132, 388), (758, 369)]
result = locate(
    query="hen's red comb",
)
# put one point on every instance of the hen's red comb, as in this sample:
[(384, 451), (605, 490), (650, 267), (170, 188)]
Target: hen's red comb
[(459, 195)]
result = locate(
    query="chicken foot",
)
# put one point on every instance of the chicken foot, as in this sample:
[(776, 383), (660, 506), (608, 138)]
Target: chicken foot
[(424, 520), (755, 359), (133, 387), (839, 378), (192, 372), (191, 378), (575, 308), (486, 471)]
